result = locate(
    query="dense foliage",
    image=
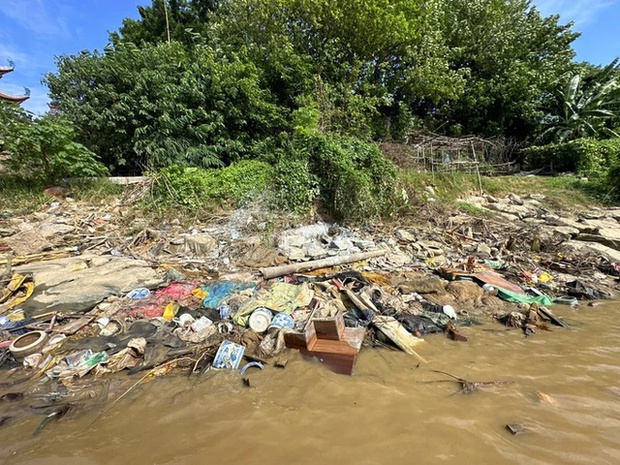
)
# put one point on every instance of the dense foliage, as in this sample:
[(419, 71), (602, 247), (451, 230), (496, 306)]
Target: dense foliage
[(585, 156), (201, 81), (307, 85), (352, 179), (164, 104), (195, 187), (588, 105)]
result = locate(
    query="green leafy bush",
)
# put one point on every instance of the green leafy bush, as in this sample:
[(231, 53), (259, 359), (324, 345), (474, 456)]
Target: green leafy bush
[(295, 186), (613, 181), (45, 149), (584, 156), (197, 187), (355, 179)]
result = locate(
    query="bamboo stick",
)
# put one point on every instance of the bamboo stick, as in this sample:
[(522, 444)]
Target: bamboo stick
[(276, 271)]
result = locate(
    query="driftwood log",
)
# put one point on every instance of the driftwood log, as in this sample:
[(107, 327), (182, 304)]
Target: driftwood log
[(276, 271)]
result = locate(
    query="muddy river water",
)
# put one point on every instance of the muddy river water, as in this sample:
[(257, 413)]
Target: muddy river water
[(565, 392)]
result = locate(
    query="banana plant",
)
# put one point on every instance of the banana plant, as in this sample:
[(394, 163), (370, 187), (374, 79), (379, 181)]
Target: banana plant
[(585, 106)]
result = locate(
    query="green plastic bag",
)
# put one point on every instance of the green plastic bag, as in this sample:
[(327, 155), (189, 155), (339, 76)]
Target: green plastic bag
[(523, 298)]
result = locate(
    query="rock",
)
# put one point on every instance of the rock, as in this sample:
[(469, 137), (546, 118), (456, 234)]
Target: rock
[(363, 244), (173, 275), (99, 261), (296, 253), (515, 199), (538, 197), (57, 191), (520, 211), (299, 236), (615, 214), (593, 215), (405, 236), (493, 303), (59, 288), (567, 231), (397, 258), (341, 243), (607, 241), (28, 242), (594, 248), (607, 232), (513, 219), (491, 199), (555, 220), (55, 228), (200, 244), (314, 250), (534, 203), (291, 240)]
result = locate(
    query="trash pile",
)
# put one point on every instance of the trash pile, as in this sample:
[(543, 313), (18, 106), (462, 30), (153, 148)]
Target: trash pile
[(84, 317)]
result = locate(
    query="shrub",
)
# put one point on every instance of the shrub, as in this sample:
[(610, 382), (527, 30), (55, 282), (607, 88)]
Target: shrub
[(584, 156), (45, 149), (196, 187), (353, 178), (295, 186), (356, 181)]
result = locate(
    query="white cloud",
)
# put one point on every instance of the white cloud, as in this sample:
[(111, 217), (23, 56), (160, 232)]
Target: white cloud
[(577, 11), (35, 16)]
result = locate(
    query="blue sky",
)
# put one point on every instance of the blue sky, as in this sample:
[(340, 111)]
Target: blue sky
[(32, 32)]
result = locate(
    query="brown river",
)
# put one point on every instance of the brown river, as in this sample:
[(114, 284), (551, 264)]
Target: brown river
[(565, 392)]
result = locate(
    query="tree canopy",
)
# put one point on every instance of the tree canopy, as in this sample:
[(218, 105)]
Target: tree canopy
[(204, 82)]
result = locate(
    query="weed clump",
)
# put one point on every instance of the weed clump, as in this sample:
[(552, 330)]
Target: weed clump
[(193, 188)]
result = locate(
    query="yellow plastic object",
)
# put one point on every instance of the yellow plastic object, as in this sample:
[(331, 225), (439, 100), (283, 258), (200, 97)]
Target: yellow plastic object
[(17, 315), (28, 288), (200, 293), (544, 277), (16, 282), (170, 311)]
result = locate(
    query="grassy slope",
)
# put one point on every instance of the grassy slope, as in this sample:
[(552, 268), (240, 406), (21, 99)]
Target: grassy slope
[(566, 192)]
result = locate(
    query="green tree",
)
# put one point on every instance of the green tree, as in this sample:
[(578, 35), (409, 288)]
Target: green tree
[(513, 57), (11, 118), (186, 21), (348, 61), (156, 105)]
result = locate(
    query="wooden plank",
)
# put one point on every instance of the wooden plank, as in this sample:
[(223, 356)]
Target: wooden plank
[(398, 334), (74, 326)]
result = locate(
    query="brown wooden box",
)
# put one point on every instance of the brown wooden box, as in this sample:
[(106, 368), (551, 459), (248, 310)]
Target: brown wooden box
[(301, 340), (329, 328), (339, 356)]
